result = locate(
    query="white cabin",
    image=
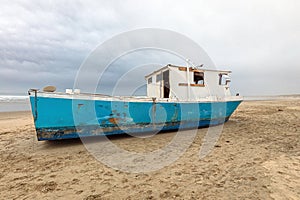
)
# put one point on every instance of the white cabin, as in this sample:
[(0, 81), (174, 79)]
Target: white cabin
[(188, 83)]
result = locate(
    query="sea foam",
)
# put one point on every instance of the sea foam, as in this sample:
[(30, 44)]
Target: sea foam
[(13, 98)]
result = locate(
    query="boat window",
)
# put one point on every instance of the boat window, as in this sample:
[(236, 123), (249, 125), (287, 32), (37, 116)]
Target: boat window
[(158, 77), (150, 80), (199, 78), (224, 79)]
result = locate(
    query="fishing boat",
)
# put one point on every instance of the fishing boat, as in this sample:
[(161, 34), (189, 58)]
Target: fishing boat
[(178, 97)]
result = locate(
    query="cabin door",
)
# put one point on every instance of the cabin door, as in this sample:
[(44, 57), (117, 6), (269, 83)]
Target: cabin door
[(166, 84)]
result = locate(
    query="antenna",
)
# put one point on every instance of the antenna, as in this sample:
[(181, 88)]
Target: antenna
[(199, 66), (191, 63)]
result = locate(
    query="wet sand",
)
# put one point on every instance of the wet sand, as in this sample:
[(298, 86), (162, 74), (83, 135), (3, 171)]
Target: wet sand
[(256, 157)]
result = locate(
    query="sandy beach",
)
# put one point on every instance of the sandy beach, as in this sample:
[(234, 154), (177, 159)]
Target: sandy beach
[(256, 157)]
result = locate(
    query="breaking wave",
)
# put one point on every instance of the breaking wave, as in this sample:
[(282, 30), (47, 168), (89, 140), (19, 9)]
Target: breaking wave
[(13, 99)]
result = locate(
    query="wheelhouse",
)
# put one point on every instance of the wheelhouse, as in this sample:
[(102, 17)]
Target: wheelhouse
[(187, 83)]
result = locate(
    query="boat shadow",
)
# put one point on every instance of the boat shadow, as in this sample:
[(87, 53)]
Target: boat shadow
[(79, 141)]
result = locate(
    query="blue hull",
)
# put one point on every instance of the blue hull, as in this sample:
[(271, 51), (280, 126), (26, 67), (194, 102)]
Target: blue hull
[(63, 118)]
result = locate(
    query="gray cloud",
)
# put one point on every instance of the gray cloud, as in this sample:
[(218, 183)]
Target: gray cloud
[(45, 42)]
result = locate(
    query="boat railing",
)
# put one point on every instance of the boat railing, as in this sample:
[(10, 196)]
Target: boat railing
[(130, 98)]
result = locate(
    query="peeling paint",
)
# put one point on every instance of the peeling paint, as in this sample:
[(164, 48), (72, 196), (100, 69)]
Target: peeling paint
[(85, 131)]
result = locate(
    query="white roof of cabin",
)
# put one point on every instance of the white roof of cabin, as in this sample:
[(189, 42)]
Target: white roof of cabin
[(202, 69)]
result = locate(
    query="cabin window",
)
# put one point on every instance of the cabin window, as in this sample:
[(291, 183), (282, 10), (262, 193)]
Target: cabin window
[(158, 77), (224, 79), (150, 80), (199, 78)]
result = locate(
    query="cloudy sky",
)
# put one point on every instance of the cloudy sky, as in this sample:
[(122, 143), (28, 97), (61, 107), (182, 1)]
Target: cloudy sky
[(45, 42)]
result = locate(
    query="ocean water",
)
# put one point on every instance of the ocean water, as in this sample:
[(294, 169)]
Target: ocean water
[(10, 103), (270, 98)]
